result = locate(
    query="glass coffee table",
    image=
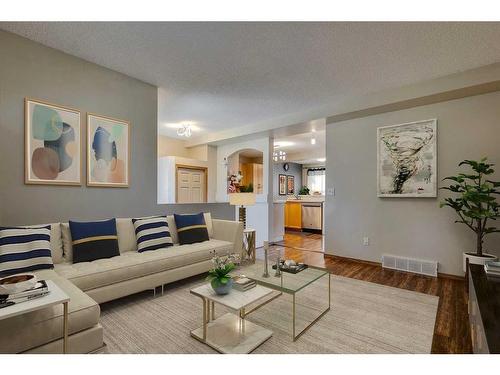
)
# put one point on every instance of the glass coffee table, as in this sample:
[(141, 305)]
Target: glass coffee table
[(289, 283)]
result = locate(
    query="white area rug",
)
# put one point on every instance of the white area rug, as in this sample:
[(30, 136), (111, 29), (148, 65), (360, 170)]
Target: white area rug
[(364, 318)]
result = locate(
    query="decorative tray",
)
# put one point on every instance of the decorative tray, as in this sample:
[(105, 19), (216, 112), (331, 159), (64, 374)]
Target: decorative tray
[(291, 269)]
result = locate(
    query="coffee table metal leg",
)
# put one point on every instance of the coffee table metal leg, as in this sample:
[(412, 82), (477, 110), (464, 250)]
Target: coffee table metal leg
[(65, 327), (213, 310), (296, 337), (205, 303), (293, 318)]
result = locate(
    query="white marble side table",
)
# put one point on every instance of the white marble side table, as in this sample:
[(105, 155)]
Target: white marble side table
[(230, 333)]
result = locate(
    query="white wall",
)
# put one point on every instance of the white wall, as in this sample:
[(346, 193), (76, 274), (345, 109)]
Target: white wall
[(468, 128), (259, 215), (167, 177)]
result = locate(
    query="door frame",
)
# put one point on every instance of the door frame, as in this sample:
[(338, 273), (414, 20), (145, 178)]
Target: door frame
[(193, 167)]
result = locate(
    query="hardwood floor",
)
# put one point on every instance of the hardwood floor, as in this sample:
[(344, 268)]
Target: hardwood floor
[(451, 332)]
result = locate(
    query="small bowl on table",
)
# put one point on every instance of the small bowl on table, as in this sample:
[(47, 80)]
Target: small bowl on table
[(17, 283)]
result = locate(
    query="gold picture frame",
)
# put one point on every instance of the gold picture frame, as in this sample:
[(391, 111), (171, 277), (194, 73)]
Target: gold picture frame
[(111, 168), (53, 143)]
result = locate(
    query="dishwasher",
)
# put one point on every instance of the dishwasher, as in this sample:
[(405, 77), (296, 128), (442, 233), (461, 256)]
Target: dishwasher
[(312, 217)]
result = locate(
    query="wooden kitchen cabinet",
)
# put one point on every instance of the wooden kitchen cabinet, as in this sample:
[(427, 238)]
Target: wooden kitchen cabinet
[(293, 215)]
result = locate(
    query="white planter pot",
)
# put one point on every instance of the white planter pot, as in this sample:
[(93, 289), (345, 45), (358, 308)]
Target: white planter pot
[(474, 259)]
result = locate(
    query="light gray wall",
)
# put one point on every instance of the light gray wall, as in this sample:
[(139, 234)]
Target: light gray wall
[(28, 69), (416, 227), (294, 170)]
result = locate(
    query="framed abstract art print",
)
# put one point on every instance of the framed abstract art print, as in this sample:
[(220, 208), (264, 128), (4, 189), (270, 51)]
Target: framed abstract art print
[(407, 160), (108, 151), (53, 149)]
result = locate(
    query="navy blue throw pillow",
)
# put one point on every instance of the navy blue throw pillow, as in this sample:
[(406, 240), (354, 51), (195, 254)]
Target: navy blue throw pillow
[(191, 228), (94, 240)]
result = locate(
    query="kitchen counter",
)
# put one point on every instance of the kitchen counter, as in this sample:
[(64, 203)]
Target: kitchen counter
[(305, 214), (303, 199)]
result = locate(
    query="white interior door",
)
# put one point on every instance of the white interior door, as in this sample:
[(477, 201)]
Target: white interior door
[(190, 185)]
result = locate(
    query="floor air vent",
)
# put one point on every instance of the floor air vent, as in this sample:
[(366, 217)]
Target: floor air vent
[(425, 267)]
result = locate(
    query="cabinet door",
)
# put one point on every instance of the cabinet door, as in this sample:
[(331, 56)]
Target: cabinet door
[(293, 217)]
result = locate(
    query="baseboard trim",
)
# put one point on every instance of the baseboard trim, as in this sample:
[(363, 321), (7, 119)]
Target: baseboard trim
[(379, 264)]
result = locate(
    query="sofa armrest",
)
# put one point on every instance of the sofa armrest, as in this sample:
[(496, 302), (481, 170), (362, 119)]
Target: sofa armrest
[(231, 231)]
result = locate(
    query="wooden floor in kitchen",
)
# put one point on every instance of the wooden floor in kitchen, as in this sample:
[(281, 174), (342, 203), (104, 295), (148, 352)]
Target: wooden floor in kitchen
[(451, 333)]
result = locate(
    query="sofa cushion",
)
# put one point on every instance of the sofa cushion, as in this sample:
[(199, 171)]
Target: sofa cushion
[(152, 233), (208, 221), (131, 265), (36, 328), (93, 240), (126, 235), (24, 249), (56, 246), (191, 228), (173, 228), (124, 229)]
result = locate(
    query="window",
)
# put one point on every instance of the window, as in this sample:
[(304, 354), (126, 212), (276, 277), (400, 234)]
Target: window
[(316, 180)]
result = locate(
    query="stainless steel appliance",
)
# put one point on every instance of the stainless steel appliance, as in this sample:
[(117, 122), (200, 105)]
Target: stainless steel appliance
[(312, 216)]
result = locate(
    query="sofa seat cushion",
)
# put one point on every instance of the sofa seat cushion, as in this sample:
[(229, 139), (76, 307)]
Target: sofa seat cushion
[(131, 265), (37, 328)]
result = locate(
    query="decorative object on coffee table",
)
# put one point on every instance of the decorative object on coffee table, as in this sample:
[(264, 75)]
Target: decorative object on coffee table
[(17, 283), (266, 258), (277, 267), (475, 205), (219, 277), (291, 266)]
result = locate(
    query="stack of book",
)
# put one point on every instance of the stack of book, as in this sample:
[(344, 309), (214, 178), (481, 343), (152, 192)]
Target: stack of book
[(39, 290), (492, 268), (243, 283)]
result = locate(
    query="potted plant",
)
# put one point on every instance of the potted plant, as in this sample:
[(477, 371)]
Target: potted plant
[(475, 204), (304, 190), (219, 277)]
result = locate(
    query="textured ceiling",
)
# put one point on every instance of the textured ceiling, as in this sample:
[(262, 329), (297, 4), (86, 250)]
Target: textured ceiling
[(224, 75), (299, 148)]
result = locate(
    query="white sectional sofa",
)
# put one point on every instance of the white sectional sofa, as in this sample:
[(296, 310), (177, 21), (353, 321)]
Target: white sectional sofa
[(90, 283)]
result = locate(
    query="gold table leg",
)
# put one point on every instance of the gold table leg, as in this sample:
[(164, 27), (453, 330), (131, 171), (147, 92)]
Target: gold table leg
[(65, 327), (296, 337), (205, 303)]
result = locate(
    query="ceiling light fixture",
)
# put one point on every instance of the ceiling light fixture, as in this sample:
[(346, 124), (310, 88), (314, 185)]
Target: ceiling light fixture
[(313, 141), (279, 155), (184, 131)]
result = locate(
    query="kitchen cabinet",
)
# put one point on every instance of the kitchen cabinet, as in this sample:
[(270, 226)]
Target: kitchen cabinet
[(293, 215), (252, 174)]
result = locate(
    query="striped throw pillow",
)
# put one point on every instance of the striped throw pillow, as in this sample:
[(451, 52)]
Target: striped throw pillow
[(152, 233), (24, 250)]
